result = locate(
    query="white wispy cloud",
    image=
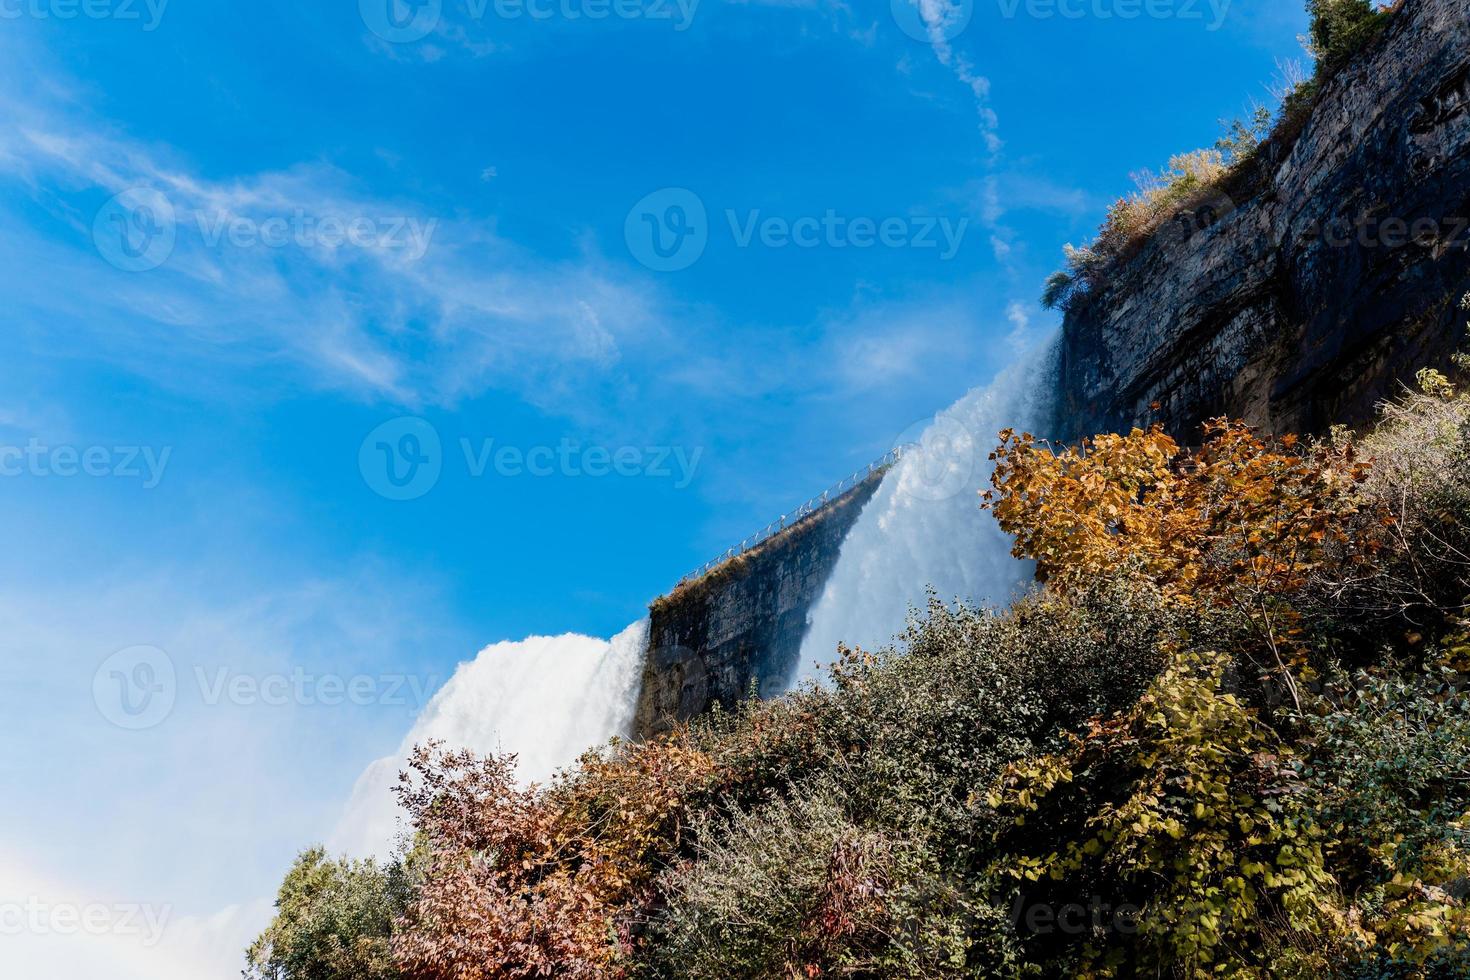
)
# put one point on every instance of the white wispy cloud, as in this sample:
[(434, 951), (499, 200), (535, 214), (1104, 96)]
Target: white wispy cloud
[(415, 307), (943, 20)]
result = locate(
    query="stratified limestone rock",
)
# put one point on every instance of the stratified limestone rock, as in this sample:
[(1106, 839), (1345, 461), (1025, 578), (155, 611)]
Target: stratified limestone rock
[(741, 627), (1325, 286)]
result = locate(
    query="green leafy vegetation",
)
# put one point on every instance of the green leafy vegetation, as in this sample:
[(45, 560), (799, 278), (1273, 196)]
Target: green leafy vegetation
[(1340, 28), (333, 919)]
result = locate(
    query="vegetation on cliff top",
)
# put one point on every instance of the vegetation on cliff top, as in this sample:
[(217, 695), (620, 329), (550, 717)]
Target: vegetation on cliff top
[(1197, 187), (1228, 735)]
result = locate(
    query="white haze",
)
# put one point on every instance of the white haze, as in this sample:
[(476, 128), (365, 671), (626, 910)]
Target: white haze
[(924, 527), (68, 931), (547, 699)]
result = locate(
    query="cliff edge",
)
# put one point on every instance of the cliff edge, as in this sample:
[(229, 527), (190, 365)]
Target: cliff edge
[(1305, 296)]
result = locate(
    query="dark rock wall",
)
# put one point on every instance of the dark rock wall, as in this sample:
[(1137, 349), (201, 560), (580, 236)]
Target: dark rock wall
[(742, 625), (1327, 285)]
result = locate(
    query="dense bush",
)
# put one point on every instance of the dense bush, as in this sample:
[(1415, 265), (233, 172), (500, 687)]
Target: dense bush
[(1185, 808), (1341, 27), (334, 919)]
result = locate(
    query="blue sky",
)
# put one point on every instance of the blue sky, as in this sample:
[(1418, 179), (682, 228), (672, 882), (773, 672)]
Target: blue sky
[(364, 230)]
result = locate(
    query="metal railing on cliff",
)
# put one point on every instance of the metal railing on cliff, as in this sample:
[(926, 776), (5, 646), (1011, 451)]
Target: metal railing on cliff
[(827, 497)]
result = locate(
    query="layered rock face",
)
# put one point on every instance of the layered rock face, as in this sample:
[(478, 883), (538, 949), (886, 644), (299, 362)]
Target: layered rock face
[(740, 628), (1325, 286)]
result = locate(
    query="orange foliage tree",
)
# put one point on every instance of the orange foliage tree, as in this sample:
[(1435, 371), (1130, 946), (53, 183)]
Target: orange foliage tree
[(532, 881), (1238, 524)]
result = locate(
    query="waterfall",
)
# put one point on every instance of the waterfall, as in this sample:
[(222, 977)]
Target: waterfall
[(547, 699), (924, 527)]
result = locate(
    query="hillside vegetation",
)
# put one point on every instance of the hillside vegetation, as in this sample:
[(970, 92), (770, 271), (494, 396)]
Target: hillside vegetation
[(1227, 735)]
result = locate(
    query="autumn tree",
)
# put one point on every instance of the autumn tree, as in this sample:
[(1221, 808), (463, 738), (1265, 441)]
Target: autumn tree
[(1238, 525), (531, 881)]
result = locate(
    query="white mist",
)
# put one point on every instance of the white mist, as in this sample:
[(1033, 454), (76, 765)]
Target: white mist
[(547, 699), (924, 527)]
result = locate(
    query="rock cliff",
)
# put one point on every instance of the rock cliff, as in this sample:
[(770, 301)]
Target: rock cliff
[(740, 627), (1320, 283)]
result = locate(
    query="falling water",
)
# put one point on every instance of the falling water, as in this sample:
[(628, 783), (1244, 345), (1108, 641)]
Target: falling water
[(547, 699), (924, 527)]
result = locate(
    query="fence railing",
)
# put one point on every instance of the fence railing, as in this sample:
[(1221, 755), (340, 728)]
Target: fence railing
[(826, 497)]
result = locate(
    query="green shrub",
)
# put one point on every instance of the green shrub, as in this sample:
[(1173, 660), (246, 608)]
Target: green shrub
[(875, 786), (334, 921), (1417, 589), (1183, 808), (1340, 28), (797, 886), (1389, 775)]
